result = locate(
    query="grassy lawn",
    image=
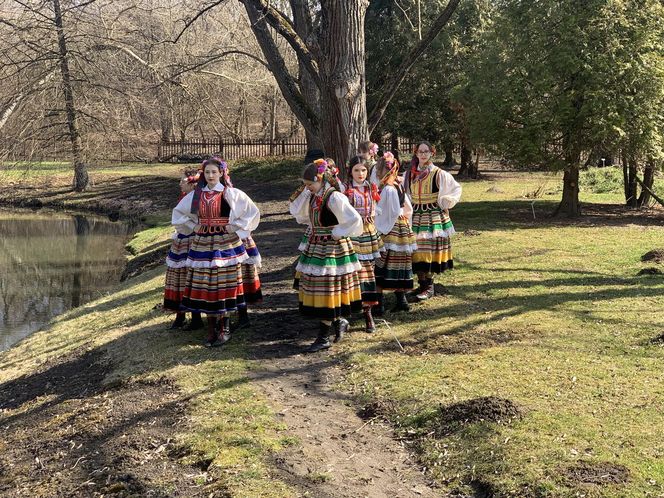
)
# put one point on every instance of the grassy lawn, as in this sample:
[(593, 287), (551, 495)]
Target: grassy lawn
[(232, 426), (553, 321), (535, 375)]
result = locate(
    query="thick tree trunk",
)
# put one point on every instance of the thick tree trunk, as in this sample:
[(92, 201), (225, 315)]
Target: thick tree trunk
[(631, 197), (448, 162), (648, 181), (569, 205), (303, 27), (343, 98), (81, 179)]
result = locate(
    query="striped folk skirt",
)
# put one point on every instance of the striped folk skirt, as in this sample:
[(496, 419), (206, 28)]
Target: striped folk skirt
[(433, 230), (367, 247), (176, 271), (214, 281), (394, 268), (328, 284), (251, 282)]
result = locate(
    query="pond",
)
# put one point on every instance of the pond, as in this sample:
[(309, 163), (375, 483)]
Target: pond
[(51, 262)]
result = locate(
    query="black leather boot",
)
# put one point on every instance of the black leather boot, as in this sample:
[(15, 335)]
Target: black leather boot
[(322, 341), (402, 303), (341, 326), (179, 321), (379, 309), (243, 318), (195, 323), (370, 326), (427, 290)]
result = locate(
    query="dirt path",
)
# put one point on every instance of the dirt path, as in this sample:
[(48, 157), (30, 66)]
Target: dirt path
[(338, 454)]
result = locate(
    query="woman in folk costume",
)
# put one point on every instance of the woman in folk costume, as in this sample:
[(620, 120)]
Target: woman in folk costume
[(394, 268), (433, 193), (219, 216), (251, 283), (331, 179), (176, 268), (329, 286), (363, 196)]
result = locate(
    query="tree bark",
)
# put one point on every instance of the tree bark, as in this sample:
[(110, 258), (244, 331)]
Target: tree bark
[(448, 162), (303, 27), (569, 205), (343, 93), (81, 179), (648, 181), (632, 198)]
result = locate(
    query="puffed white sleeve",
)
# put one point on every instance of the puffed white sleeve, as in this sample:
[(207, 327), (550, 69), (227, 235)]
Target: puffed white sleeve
[(408, 210), (387, 210), (182, 218), (350, 221), (299, 207), (449, 190), (245, 216)]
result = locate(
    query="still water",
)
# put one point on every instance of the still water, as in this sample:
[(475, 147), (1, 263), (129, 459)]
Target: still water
[(51, 262)]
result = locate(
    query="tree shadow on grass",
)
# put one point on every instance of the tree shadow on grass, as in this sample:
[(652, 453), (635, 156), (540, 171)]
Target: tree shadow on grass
[(518, 214)]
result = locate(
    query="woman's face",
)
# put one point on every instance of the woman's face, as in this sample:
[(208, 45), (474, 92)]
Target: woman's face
[(423, 153), (212, 175), (359, 172), (312, 187)]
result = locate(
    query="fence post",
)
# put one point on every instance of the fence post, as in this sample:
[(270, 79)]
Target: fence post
[(283, 147)]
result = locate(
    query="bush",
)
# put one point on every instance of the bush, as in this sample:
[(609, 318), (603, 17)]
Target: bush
[(602, 180)]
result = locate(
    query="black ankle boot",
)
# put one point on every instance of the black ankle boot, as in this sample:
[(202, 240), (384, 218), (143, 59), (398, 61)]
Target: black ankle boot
[(196, 322), (179, 321), (322, 341), (370, 326), (379, 309), (427, 290), (402, 303), (341, 326), (224, 331), (243, 318)]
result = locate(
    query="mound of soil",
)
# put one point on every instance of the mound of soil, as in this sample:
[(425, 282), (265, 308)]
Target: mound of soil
[(656, 256), (651, 271), (658, 340), (598, 473), (486, 409), (378, 408)]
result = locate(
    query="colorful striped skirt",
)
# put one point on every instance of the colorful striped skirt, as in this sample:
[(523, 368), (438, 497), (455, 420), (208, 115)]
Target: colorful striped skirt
[(433, 229), (328, 285), (305, 239), (250, 280), (176, 271), (214, 282), (394, 268), (367, 247)]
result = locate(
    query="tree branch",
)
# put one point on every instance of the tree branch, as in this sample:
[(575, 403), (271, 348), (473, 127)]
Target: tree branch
[(285, 80), (191, 21), (392, 83), (285, 28)]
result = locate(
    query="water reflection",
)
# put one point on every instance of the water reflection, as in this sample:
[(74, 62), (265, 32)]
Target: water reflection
[(51, 262)]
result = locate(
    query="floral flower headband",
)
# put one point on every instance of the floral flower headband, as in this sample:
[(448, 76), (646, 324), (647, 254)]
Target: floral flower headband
[(322, 168), (373, 149)]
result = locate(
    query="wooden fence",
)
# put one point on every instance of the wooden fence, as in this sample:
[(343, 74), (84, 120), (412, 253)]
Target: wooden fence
[(195, 150)]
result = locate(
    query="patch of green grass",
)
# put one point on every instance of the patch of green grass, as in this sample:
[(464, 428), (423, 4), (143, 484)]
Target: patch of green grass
[(268, 169), (551, 316), (157, 233), (229, 421)]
